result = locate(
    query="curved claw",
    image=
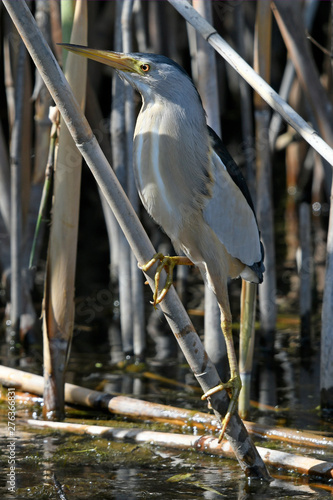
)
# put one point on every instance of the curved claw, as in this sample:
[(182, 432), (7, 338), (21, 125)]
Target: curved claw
[(233, 387), (151, 262), (168, 263)]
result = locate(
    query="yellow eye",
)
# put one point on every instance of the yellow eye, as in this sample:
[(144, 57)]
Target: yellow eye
[(145, 67)]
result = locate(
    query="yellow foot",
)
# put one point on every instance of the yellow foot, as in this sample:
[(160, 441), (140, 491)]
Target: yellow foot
[(168, 263), (233, 387)]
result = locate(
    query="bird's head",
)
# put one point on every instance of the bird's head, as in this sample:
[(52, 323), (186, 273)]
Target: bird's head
[(150, 74)]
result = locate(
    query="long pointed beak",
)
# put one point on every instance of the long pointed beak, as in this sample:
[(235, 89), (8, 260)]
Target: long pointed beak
[(117, 60)]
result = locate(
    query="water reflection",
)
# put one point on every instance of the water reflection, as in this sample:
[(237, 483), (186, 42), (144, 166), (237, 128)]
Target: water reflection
[(97, 468)]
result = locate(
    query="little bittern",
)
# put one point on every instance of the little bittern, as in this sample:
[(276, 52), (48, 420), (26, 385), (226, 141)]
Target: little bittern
[(190, 185)]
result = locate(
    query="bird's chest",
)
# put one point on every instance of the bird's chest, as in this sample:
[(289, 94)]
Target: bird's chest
[(159, 178)]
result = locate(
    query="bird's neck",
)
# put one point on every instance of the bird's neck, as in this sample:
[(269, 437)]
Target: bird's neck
[(174, 117)]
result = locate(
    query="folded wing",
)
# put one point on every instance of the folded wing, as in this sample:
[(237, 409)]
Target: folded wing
[(230, 213)]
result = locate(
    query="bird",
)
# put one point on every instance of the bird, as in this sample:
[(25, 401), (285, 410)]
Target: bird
[(191, 186)]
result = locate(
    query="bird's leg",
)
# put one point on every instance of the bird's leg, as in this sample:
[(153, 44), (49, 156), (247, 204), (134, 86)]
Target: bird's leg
[(234, 385), (168, 263)]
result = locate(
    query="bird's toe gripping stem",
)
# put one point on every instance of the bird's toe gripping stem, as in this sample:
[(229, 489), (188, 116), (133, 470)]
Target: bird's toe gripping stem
[(233, 387), (166, 262)]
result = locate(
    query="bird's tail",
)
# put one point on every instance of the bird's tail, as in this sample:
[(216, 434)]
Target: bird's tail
[(246, 343)]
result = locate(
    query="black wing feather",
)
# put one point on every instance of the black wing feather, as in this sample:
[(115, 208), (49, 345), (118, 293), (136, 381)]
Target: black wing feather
[(231, 166)]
